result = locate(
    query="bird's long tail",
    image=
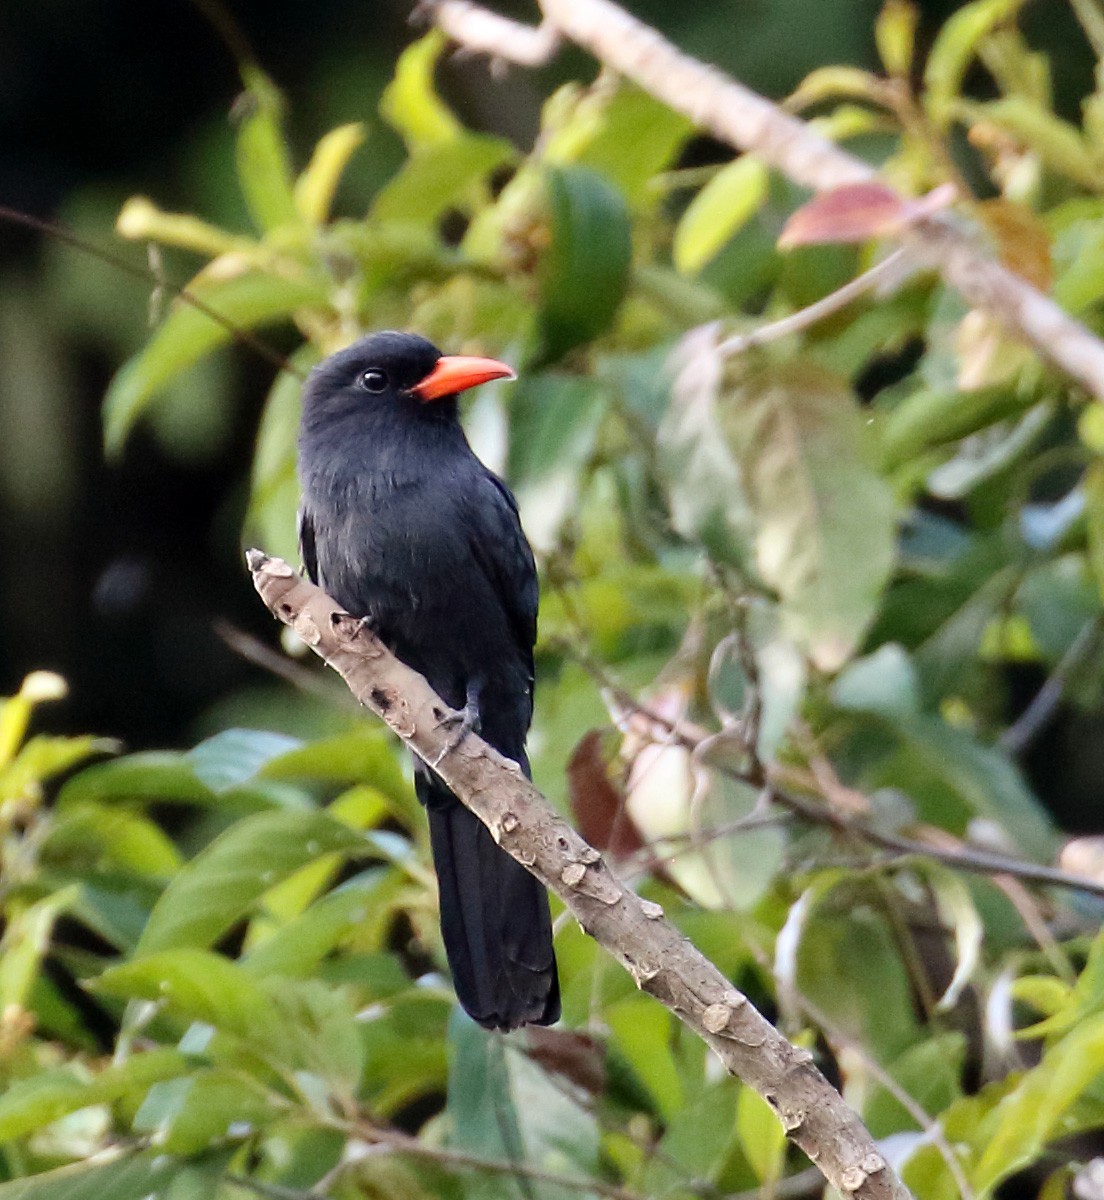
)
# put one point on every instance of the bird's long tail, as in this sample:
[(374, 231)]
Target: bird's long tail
[(494, 918)]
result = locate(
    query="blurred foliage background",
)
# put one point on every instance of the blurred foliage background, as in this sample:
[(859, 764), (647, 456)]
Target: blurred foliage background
[(868, 559)]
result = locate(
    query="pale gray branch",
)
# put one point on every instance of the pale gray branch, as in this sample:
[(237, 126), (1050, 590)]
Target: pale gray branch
[(484, 32), (747, 121), (660, 960)]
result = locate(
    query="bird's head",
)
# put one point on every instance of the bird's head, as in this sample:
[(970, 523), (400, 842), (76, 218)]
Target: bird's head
[(393, 378)]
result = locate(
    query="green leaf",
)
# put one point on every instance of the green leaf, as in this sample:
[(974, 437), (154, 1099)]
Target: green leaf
[(1058, 143), (92, 832), (274, 486), (927, 419), (186, 1116), (297, 947), (244, 302), (264, 166), (25, 942), (986, 781), (697, 1141), (221, 884), (315, 187), (825, 524), (929, 1072), (150, 775), (633, 137), (410, 103), (128, 1177), (584, 273), (361, 755), (954, 48), (883, 682), (726, 203), (42, 758), (236, 755), (41, 1099), (440, 176), (1093, 484), (761, 1135), (895, 35), (1032, 1114), (501, 1105), (200, 986), (704, 484)]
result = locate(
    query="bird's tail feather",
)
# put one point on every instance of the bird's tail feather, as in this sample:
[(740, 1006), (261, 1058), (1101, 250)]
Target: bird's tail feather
[(495, 920)]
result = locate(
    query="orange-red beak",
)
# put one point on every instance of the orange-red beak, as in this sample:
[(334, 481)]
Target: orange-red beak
[(457, 372)]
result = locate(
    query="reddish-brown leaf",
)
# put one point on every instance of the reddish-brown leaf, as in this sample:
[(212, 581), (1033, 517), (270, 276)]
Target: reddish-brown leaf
[(577, 1057), (597, 802), (858, 212)]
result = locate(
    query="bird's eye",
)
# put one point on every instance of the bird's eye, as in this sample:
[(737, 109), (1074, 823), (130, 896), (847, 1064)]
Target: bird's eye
[(374, 381)]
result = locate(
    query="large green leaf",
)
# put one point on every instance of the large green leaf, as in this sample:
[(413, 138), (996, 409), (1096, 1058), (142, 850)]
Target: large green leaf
[(128, 1177), (221, 884), (243, 301), (584, 273), (41, 1099), (627, 137), (825, 526), (985, 779), (201, 986), (186, 1116), (501, 1105), (441, 175), (1033, 1114)]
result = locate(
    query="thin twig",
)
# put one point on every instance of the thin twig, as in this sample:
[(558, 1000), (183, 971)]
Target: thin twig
[(405, 1143), (891, 270), (1038, 714), (254, 651), (964, 858), (146, 275)]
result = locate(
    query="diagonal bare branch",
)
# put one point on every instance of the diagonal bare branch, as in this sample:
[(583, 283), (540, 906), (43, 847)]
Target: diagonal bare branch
[(660, 960)]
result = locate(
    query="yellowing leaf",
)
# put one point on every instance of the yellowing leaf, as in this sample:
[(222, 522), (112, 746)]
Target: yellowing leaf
[(953, 50), (718, 211), (410, 102), (264, 165), (315, 187), (1022, 240), (141, 220), (895, 35)]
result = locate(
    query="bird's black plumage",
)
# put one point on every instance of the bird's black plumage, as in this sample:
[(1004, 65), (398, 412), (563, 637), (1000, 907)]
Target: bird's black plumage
[(402, 524)]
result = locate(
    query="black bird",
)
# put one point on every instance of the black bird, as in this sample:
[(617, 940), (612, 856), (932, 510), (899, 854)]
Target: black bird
[(403, 525)]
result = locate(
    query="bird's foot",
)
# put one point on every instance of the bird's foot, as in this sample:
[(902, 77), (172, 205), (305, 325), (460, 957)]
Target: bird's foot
[(461, 723)]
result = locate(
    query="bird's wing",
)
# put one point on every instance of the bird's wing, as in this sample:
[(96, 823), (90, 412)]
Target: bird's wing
[(501, 550), (307, 551)]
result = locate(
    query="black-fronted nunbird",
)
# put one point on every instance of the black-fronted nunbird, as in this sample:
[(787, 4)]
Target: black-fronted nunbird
[(404, 526)]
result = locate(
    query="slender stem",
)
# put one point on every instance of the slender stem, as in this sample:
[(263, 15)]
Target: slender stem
[(892, 268), (146, 275)]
